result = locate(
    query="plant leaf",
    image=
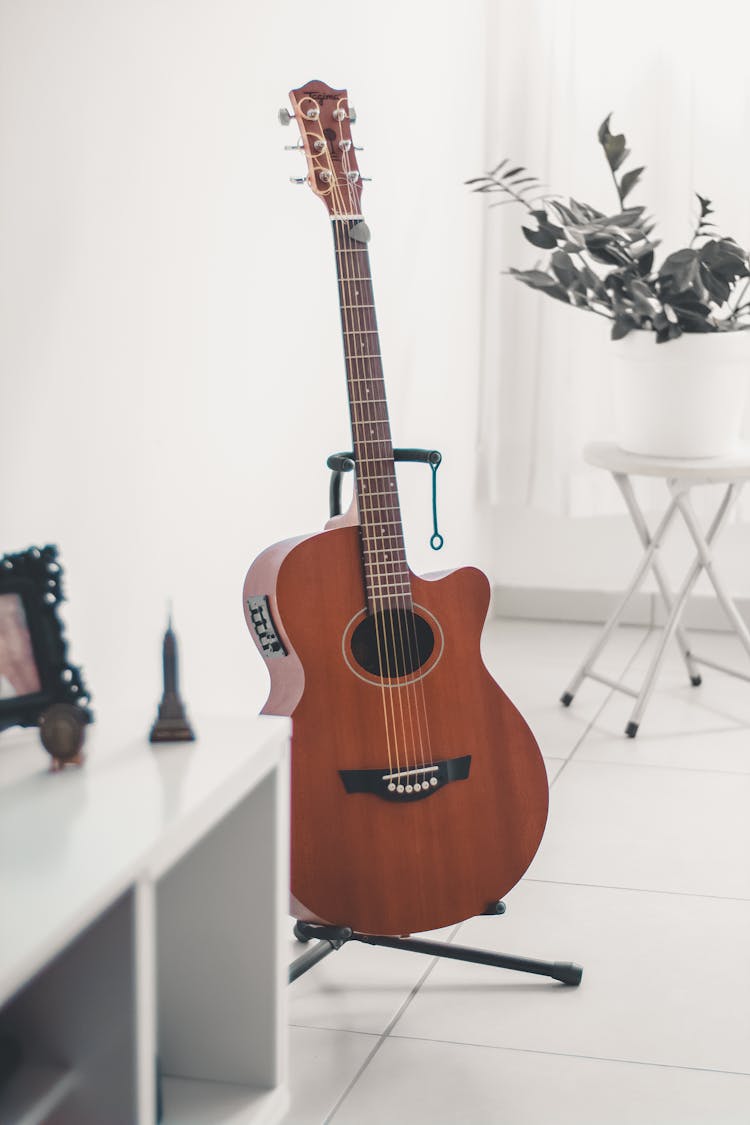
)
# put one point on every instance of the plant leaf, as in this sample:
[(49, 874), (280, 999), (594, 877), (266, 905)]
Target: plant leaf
[(541, 238), (682, 268), (725, 259), (705, 205), (621, 327), (613, 144), (537, 279), (629, 180)]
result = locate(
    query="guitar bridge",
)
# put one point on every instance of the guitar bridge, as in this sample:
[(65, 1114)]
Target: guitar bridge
[(412, 783), (264, 628)]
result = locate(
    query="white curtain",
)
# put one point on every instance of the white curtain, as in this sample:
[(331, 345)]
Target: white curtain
[(674, 74)]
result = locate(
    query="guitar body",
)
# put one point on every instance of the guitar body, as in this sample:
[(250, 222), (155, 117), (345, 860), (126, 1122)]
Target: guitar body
[(376, 860)]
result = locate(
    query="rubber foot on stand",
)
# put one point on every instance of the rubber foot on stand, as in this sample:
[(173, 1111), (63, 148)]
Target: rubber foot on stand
[(696, 681), (631, 730), (566, 699)]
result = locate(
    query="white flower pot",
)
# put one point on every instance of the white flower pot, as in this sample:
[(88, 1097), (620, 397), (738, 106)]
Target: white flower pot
[(685, 398)]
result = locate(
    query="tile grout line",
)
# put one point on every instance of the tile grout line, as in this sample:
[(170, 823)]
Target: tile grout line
[(387, 1031), (638, 890), (573, 1055), (658, 765)]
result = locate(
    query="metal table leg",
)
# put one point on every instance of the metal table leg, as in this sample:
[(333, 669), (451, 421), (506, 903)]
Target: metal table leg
[(702, 561), (641, 527), (674, 603), (587, 667)]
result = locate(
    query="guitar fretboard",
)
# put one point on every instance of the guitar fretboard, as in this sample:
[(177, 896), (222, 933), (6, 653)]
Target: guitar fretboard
[(386, 575)]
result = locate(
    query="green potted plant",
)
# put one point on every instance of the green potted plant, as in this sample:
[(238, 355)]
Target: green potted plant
[(683, 400)]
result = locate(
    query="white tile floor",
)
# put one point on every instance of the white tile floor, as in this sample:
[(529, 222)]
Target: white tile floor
[(643, 877)]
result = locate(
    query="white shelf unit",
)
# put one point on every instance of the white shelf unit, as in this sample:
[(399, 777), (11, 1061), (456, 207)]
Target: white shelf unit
[(143, 900)]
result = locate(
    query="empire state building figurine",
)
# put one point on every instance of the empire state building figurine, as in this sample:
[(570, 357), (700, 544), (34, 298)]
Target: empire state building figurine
[(171, 723)]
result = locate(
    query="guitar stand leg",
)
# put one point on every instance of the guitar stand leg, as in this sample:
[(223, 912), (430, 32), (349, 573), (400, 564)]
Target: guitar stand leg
[(333, 937)]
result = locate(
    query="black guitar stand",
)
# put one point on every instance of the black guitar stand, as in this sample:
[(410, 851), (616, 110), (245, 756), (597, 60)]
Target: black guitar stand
[(333, 937), (330, 938)]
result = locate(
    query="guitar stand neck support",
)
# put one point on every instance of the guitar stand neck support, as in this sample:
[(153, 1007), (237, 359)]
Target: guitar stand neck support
[(340, 463), (331, 938)]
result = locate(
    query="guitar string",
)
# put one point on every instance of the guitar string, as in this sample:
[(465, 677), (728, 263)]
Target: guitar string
[(404, 615), (347, 321), (381, 590), (353, 260), (381, 567), (333, 192), (377, 590), (411, 633)]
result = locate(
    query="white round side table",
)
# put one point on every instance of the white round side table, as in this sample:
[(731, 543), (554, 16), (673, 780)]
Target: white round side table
[(680, 477)]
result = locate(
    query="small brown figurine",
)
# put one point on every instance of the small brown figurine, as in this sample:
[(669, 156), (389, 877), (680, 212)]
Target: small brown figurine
[(62, 729), (171, 723)]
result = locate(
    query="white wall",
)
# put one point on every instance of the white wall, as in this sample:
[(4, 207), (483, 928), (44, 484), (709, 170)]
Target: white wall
[(171, 369), (674, 74)]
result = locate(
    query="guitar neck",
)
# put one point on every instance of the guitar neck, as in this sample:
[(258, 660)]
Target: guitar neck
[(386, 574)]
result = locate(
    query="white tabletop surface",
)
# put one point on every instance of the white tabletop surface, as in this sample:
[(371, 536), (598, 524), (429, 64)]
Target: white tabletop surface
[(607, 455), (72, 842)]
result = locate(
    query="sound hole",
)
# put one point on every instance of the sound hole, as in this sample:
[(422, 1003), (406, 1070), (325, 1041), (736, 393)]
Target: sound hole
[(392, 642)]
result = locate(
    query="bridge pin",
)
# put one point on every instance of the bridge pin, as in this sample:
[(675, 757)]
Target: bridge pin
[(409, 788), (433, 781), (391, 787), (399, 788)]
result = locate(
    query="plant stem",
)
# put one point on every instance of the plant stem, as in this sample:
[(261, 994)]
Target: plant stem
[(617, 186)]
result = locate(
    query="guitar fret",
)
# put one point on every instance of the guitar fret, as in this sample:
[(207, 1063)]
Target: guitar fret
[(392, 579), (357, 306), (361, 332), (385, 591), (398, 568), (361, 355)]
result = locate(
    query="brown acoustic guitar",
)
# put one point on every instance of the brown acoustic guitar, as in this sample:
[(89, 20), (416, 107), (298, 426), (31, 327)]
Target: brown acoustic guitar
[(419, 795)]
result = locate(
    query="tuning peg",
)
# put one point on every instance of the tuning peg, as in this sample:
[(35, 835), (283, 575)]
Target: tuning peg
[(299, 147), (365, 179), (285, 116), (298, 179), (352, 114)]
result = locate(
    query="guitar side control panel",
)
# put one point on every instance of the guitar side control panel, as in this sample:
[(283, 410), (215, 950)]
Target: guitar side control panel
[(264, 628)]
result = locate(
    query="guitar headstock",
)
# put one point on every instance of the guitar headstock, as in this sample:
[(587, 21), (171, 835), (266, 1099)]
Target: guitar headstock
[(324, 117)]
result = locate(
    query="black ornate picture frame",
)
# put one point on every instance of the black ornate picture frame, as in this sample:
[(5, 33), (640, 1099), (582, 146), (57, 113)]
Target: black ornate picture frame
[(34, 670)]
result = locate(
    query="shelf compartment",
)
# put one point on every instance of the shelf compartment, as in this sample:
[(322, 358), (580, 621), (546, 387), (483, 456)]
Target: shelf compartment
[(74, 1022)]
